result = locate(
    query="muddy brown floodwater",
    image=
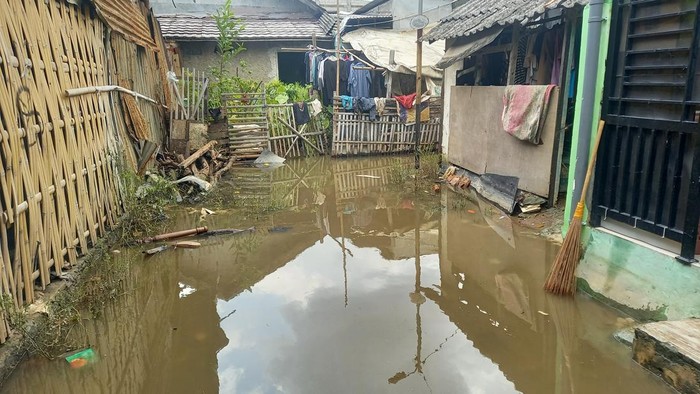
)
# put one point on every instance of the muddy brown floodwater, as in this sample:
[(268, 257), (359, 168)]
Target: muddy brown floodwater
[(352, 285)]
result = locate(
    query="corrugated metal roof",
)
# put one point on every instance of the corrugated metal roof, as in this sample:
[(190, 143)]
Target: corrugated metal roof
[(478, 15), (203, 28), (328, 21), (126, 17)]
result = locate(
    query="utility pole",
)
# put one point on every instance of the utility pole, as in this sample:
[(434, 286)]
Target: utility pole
[(420, 23), (337, 66)]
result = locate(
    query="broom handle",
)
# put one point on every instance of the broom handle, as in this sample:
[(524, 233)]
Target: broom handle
[(591, 163)]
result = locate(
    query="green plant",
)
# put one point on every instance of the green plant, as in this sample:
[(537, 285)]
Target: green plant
[(228, 47), (284, 93), (144, 206), (16, 317)]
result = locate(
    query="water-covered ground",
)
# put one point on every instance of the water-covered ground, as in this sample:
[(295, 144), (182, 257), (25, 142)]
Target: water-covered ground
[(351, 285)]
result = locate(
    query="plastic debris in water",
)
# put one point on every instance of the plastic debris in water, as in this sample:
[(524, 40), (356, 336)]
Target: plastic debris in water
[(81, 358), (279, 229)]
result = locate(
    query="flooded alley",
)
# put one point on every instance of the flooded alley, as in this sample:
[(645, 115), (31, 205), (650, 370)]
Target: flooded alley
[(349, 283)]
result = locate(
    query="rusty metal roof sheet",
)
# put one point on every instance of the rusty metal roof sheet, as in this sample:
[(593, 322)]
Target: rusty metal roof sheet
[(329, 21), (479, 15), (203, 28), (126, 17)]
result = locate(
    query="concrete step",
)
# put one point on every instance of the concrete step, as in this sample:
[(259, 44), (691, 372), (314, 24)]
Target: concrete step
[(672, 351)]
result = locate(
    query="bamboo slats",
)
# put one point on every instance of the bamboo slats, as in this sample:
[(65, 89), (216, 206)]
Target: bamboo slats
[(288, 140), (355, 134), (189, 92), (139, 68), (248, 126), (59, 155), (354, 179)]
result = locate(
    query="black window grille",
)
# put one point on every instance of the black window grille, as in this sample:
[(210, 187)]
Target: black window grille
[(648, 172)]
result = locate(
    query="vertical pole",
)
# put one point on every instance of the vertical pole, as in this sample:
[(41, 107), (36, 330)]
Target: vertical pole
[(336, 119), (419, 94), (513, 58), (337, 49), (389, 74), (419, 86)]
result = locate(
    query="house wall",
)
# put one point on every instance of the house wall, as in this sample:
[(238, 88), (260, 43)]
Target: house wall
[(449, 82), (646, 282), (478, 143), (600, 82), (628, 274), (260, 57)]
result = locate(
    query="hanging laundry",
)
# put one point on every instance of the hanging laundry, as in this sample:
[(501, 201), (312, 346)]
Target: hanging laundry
[(380, 102), (406, 101), (347, 102), (301, 114), (329, 79), (378, 85), (315, 107), (525, 111), (359, 81), (368, 106)]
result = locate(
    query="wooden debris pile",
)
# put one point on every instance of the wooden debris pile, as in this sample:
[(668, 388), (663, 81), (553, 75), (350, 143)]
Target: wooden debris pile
[(206, 164)]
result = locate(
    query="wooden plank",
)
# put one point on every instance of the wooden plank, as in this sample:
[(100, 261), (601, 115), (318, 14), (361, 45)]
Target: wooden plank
[(671, 349)]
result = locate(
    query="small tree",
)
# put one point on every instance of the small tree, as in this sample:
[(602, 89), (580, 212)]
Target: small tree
[(228, 47)]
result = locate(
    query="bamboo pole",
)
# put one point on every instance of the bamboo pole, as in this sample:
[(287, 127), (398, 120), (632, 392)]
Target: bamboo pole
[(104, 89)]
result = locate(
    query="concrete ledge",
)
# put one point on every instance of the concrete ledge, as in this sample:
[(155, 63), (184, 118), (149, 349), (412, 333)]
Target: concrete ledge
[(672, 351), (643, 282)]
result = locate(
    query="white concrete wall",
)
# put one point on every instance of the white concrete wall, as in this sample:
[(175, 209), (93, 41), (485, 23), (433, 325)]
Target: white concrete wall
[(261, 57), (450, 80)]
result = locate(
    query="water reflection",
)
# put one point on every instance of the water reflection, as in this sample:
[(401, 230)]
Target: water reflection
[(354, 287)]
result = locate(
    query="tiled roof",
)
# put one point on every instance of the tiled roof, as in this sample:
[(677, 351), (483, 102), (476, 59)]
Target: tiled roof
[(203, 28), (478, 15)]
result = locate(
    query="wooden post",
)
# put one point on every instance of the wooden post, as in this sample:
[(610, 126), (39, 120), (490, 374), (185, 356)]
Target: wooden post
[(390, 74), (513, 60), (337, 68), (419, 94)]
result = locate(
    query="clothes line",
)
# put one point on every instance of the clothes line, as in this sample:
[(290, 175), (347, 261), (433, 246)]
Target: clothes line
[(333, 51)]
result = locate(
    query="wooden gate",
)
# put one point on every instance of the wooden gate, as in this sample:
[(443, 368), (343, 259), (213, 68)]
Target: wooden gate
[(289, 140)]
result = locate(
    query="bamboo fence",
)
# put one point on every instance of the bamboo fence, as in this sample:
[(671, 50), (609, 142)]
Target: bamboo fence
[(353, 179), (355, 134), (60, 155), (289, 140)]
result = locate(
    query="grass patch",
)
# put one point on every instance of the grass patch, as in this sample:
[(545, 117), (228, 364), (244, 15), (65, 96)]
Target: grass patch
[(144, 205)]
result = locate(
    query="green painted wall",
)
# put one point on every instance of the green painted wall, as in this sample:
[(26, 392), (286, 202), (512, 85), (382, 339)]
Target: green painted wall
[(646, 283), (570, 205)]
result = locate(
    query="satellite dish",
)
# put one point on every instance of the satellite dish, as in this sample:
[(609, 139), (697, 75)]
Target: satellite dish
[(419, 22)]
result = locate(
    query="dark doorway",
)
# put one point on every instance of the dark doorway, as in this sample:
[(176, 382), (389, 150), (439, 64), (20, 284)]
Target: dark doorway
[(291, 67)]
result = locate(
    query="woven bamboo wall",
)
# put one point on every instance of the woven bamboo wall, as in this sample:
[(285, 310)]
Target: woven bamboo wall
[(59, 156)]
